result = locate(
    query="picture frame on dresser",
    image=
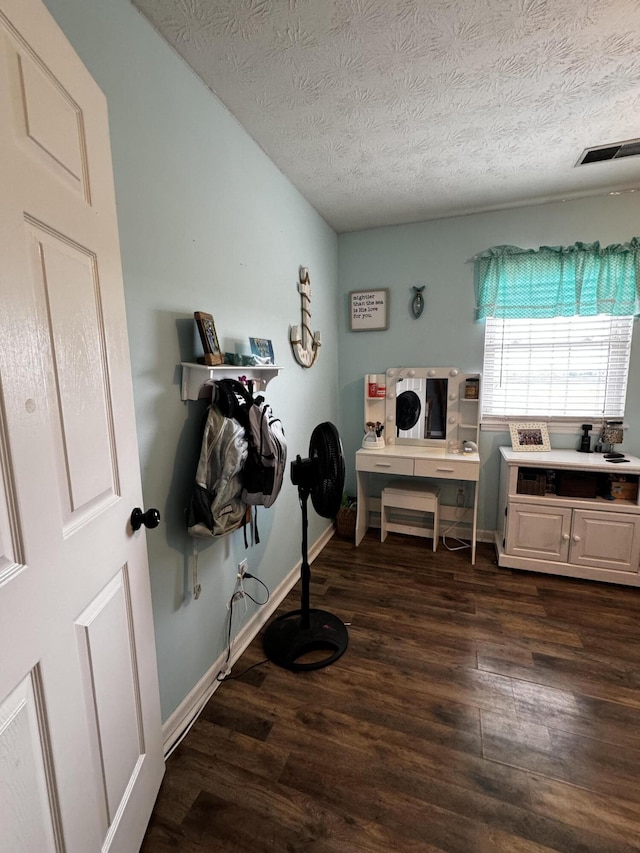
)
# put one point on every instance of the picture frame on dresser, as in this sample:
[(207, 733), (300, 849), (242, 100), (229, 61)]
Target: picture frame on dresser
[(529, 436)]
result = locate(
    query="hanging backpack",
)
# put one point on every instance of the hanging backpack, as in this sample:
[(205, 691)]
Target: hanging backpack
[(264, 467), (217, 507)]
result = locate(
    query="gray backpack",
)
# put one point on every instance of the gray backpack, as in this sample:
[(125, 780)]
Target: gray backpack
[(217, 506)]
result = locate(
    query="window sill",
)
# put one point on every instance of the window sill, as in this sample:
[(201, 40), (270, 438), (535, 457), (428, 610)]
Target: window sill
[(558, 427)]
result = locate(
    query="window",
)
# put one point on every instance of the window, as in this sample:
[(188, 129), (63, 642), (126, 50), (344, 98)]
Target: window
[(558, 329), (562, 367)]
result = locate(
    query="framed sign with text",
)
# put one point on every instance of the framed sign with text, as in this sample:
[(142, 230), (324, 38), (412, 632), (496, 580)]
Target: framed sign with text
[(369, 310)]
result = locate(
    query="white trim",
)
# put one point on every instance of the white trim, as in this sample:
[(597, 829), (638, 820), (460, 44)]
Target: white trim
[(486, 535), (182, 718)]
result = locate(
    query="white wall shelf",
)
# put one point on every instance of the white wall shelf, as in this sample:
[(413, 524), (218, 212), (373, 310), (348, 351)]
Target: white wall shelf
[(197, 379)]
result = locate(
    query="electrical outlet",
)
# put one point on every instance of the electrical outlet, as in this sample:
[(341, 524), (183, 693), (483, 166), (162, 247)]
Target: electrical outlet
[(235, 597), (460, 496), (243, 568)]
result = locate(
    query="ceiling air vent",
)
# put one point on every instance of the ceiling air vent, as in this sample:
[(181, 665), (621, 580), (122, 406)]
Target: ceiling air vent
[(599, 153)]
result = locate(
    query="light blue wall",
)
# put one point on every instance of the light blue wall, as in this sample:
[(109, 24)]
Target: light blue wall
[(206, 223), (438, 254)]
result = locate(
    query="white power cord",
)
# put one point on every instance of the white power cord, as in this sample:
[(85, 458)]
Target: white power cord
[(459, 515)]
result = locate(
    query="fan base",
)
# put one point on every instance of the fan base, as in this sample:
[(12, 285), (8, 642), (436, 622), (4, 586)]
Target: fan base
[(285, 640)]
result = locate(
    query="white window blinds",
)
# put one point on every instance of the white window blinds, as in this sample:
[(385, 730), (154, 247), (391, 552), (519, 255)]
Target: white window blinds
[(561, 367)]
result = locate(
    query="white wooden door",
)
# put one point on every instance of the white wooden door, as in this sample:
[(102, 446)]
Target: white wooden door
[(80, 733)]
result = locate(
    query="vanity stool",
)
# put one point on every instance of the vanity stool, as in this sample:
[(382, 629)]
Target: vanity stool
[(420, 496)]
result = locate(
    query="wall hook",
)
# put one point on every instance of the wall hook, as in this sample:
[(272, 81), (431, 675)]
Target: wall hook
[(304, 343), (417, 305)]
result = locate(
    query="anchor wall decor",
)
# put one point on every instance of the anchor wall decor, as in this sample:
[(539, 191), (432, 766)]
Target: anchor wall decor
[(305, 343)]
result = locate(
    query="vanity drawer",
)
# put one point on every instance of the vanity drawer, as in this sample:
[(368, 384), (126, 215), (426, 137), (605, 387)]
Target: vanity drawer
[(384, 464), (446, 470)]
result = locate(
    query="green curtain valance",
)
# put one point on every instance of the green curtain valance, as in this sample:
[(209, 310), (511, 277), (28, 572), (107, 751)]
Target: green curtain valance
[(558, 281)]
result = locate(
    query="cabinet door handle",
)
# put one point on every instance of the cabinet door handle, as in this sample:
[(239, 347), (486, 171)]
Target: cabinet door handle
[(576, 538)]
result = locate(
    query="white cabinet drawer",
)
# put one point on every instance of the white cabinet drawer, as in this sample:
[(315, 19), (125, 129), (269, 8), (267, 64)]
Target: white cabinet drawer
[(384, 464), (447, 470)]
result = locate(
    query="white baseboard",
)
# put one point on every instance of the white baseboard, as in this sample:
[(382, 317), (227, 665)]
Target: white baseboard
[(179, 721)]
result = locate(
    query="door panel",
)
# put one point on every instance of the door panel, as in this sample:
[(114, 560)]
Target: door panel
[(67, 275), (606, 540), (27, 804), (110, 682), (47, 121), (538, 531)]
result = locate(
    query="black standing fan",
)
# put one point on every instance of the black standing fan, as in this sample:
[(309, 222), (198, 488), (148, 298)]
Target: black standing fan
[(300, 632)]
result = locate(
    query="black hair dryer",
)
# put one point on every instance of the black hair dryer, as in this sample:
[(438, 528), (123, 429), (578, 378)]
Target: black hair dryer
[(585, 441)]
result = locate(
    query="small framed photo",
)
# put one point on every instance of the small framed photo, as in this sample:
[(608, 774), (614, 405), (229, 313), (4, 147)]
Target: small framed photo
[(209, 338), (262, 348), (369, 310), (531, 436)]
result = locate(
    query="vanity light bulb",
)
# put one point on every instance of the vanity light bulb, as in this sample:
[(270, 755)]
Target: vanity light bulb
[(453, 372), (453, 396), (431, 373), (452, 419)]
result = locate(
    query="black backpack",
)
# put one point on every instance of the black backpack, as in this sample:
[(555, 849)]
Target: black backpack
[(263, 470)]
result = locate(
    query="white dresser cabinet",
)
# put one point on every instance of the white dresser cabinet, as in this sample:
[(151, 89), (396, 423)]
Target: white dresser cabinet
[(568, 534)]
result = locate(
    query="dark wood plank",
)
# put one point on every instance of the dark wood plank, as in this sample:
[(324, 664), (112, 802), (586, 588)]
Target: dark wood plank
[(475, 709)]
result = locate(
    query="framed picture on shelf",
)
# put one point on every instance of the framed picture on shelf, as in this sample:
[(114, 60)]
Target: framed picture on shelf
[(262, 348), (209, 338), (369, 310), (529, 436)]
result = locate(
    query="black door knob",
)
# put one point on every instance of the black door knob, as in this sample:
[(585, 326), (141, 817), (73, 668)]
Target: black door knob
[(150, 518)]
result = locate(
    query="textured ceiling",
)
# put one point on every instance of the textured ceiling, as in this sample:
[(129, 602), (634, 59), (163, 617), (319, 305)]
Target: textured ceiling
[(391, 111)]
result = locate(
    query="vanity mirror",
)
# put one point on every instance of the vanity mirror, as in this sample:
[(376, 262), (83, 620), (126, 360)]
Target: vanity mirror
[(426, 406), (429, 406), (420, 405), (421, 408)]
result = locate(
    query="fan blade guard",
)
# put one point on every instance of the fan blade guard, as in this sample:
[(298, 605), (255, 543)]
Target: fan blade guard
[(326, 447)]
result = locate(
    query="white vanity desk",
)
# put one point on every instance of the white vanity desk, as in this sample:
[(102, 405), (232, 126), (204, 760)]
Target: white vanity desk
[(428, 415), (430, 462)]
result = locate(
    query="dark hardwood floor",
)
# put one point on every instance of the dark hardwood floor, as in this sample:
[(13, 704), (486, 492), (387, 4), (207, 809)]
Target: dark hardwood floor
[(475, 709)]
